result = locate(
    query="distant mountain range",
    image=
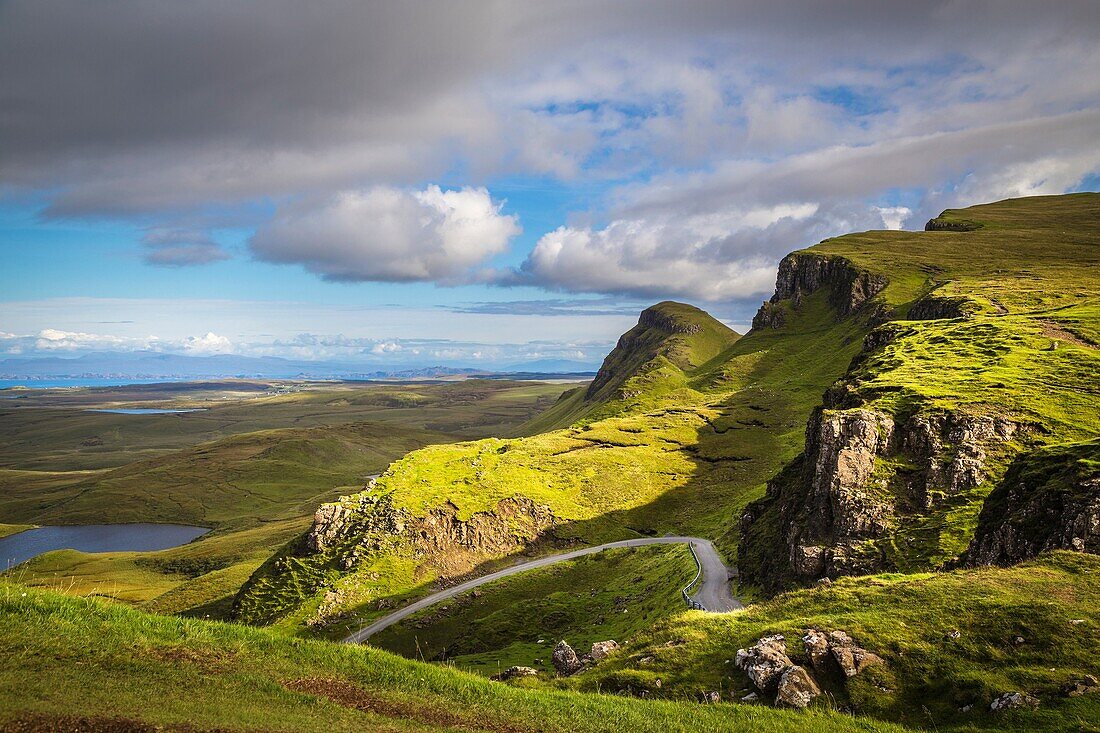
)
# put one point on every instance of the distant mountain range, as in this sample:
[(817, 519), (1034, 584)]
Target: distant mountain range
[(149, 365)]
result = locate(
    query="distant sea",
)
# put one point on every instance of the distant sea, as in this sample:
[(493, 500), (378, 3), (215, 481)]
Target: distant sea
[(81, 382)]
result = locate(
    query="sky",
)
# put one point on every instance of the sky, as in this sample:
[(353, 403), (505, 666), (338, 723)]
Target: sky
[(491, 184)]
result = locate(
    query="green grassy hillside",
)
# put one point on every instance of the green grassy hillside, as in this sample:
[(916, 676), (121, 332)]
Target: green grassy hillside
[(258, 489), (267, 474), (1032, 627), (680, 454), (79, 664)]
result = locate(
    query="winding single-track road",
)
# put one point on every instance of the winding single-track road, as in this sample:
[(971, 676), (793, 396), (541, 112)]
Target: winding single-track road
[(714, 592)]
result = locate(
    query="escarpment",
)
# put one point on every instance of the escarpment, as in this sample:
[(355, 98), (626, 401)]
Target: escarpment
[(802, 273), (840, 507)]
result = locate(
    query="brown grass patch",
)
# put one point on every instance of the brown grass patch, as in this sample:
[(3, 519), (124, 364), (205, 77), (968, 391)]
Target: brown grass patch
[(1056, 331), (207, 661), (43, 723), (353, 696)]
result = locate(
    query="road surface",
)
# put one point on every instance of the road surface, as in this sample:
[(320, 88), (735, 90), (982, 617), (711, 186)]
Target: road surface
[(714, 592)]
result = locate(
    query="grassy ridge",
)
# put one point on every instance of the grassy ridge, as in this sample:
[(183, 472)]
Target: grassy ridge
[(62, 657), (199, 578), (256, 487)]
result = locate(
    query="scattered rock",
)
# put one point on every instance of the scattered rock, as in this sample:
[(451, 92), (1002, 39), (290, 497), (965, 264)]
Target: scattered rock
[(966, 708), (953, 635), (648, 659), (565, 660), (824, 582), (514, 672), (751, 697), (711, 697), (851, 658), (601, 649), (1081, 686), (1014, 701), (765, 661), (797, 688), (836, 646), (1018, 641)]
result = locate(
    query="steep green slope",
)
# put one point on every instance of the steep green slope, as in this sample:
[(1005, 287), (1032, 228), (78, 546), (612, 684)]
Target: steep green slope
[(933, 351), (79, 664), (987, 351)]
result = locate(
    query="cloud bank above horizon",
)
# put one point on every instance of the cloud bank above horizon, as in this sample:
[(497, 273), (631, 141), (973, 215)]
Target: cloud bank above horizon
[(424, 143)]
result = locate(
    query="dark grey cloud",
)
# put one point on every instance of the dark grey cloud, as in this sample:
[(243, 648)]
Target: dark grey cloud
[(730, 120), (181, 248), (124, 106)]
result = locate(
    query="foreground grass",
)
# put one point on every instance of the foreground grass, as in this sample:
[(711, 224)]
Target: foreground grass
[(63, 656), (1051, 604)]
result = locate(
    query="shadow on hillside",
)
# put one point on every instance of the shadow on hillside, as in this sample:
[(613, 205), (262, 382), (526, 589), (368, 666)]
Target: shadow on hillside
[(739, 444)]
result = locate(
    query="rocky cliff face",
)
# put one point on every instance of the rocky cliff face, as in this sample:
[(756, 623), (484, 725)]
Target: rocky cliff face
[(347, 534), (863, 471), (1048, 500), (453, 546), (801, 273)]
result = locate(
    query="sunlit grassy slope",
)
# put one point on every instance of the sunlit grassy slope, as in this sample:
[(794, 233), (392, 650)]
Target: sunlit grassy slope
[(73, 664)]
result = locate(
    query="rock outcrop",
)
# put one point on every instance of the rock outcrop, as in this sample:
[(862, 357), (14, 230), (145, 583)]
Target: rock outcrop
[(603, 649), (517, 672), (1014, 701), (802, 273), (454, 546), (797, 689), (565, 659), (933, 307), (1086, 685), (764, 662), (1048, 500), (861, 474), (833, 650)]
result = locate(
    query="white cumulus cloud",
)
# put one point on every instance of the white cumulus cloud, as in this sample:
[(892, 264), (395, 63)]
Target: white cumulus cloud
[(389, 234), (712, 256), (211, 343)]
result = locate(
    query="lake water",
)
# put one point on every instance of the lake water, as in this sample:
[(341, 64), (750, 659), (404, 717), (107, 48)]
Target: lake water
[(54, 382), (145, 411), (18, 548)]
